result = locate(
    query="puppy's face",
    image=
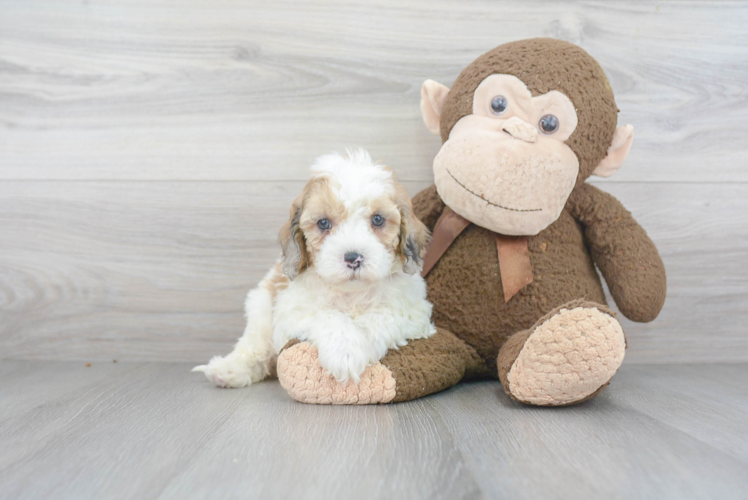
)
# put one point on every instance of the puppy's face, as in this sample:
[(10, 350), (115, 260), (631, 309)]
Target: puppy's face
[(353, 224)]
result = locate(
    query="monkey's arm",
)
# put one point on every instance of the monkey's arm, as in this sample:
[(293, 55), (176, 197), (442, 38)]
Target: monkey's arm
[(428, 206), (620, 247)]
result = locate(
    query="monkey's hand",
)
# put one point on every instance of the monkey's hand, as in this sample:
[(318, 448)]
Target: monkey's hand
[(627, 258)]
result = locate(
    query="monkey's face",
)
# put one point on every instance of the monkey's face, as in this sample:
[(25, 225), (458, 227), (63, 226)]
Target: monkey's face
[(522, 125), (506, 166)]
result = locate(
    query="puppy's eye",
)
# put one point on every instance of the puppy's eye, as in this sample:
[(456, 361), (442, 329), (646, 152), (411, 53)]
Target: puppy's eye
[(377, 220), (548, 124), (324, 224), (499, 104)]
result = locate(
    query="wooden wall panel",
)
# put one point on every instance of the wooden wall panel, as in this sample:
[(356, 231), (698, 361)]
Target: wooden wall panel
[(149, 150), (159, 270), (254, 90)]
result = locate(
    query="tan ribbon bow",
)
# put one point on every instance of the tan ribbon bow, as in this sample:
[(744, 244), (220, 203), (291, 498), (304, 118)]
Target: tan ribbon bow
[(514, 257)]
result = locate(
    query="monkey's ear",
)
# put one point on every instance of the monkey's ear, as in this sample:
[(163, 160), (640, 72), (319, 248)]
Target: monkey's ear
[(617, 152), (433, 96), (292, 242)]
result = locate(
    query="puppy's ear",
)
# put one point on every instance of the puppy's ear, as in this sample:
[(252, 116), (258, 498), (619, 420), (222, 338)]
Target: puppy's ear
[(292, 242), (414, 236)]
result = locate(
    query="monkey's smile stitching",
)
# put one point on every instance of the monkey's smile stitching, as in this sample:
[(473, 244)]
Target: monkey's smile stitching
[(490, 202)]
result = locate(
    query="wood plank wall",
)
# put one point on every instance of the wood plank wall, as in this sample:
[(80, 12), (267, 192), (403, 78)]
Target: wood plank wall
[(149, 151)]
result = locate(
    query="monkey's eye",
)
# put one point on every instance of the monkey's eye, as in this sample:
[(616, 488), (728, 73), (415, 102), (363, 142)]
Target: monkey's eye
[(499, 104), (324, 224), (548, 124), (377, 220)]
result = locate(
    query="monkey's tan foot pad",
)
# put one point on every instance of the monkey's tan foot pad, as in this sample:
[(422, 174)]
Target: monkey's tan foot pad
[(306, 381), (568, 358)]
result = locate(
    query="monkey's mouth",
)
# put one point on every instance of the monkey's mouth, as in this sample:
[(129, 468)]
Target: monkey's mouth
[(489, 201)]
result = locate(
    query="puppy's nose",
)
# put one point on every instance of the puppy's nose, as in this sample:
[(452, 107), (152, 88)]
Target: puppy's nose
[(353, 259)]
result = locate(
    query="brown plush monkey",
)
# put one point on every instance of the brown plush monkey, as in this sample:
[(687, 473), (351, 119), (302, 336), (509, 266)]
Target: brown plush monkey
[(517, 232)]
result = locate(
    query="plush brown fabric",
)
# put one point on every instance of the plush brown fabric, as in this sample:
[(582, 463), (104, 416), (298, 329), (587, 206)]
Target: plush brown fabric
[(627, 258), (465, 285), (430, 365), (422, 367), (546, 64), (428, 206), (508, 353), (466, 290)]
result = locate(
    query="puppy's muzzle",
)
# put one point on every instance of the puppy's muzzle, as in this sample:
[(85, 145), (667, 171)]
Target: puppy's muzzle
[(353, 259)]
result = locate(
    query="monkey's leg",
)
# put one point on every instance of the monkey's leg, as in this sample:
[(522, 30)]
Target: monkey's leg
[(567, 357), (422, 367)]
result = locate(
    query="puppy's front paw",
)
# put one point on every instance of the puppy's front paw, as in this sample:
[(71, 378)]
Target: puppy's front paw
[(230, 372), (303, 377), (344, 362)]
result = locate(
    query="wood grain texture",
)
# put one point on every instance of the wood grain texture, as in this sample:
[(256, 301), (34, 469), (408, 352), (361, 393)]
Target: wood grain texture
[(159, 271), (579, 453), (149, 430), (149, 151), (255, 90)]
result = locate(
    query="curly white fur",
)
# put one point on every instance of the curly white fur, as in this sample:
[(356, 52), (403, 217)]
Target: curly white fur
[(353, 316)]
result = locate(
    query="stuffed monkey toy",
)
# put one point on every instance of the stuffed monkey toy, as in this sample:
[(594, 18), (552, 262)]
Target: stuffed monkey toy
[(517, 235)]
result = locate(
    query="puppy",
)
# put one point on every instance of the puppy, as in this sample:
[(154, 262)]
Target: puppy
[(348, 279)]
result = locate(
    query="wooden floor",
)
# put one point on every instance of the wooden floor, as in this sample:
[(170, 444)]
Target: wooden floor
[(147, 430)]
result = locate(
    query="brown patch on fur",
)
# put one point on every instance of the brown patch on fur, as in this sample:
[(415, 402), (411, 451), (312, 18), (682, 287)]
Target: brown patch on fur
[(276, 282), (292, 242), (414, 236), (389, 233), (403, 233), (320, 202), (300, 237)]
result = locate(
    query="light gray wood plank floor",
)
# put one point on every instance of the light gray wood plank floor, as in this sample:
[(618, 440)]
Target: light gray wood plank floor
[(147, 430)]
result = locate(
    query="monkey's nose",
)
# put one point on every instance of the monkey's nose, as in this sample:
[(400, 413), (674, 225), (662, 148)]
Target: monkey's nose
[(520, 129), (353, 259)]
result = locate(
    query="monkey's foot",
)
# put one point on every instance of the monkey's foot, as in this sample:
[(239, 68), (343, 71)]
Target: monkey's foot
[(306, 381), (569, 356)]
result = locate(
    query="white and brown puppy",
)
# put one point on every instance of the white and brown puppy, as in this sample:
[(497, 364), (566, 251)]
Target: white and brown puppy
[(348, 280)]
